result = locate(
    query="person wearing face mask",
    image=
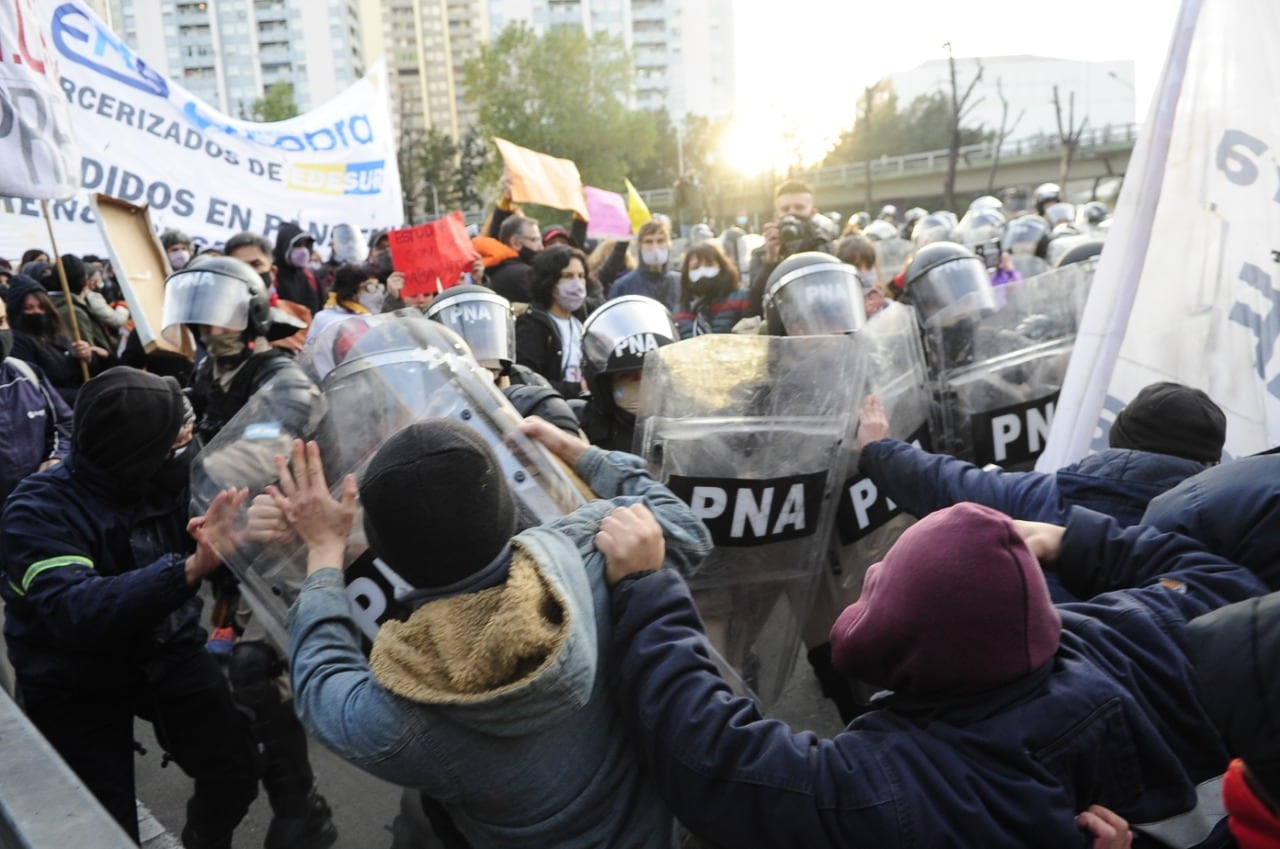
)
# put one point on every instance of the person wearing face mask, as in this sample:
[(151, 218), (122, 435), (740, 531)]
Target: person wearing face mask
[(92, 329), (102, 616), (711, 298), (615, 340), (652, 279), (40, 338), (227, 306), (511, 277), (356, 291), (295, 280), (549, 333), (860, 252), (35, 423), (177, 246)]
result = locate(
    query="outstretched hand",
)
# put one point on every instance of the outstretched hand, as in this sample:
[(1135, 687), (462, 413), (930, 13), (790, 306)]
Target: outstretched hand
[(215, 533), (323, 522), (873, 422), (631, 541), (1109, 829), (568, 448)]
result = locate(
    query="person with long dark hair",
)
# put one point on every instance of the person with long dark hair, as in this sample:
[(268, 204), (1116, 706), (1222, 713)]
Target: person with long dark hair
[(549, 333)]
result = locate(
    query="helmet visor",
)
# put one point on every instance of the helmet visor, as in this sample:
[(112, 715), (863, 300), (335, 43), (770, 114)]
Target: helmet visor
[(955, 288), (203, 297), (819, 300), (618, 335), (484, 321)]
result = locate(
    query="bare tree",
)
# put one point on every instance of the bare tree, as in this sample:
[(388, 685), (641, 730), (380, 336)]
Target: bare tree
[(1003, 134), (1069, 135), (868, 103), (960, 108)]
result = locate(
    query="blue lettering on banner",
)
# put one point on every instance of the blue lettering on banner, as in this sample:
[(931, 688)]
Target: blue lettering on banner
[(81, 41), (1265, 328)]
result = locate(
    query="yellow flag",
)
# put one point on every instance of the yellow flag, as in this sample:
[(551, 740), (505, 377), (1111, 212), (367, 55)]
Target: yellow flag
[(636, 209)]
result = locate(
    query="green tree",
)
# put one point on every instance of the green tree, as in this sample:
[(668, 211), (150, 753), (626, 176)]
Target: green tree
[(277, 104), (437, 160), (562, 94), (472, 153)]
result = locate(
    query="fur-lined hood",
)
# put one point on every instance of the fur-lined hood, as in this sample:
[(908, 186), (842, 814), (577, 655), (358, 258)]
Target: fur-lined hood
[(505, 660)]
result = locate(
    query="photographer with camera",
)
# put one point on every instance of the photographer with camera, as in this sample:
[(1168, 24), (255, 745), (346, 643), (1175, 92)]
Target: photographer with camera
[(796, 227)]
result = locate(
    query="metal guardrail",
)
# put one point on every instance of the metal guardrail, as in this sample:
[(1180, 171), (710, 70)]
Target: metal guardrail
[(43, 805), (913, 163)]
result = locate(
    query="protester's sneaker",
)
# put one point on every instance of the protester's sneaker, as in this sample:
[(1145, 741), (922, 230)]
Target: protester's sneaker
[(313, 829), (221, 641)]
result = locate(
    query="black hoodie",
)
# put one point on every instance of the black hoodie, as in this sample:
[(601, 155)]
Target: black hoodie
[(292, 283)]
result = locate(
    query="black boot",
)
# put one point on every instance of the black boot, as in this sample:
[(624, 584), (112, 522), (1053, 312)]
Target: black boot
[(308, 827), (836, 687), (192, 840)]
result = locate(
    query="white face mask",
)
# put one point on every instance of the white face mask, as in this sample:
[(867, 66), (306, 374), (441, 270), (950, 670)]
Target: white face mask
[(570, 295), (627, 396), (654, 257), (703, 272), (868, 278), (222, 346), (300, 257), (372, 301), (178, 259)]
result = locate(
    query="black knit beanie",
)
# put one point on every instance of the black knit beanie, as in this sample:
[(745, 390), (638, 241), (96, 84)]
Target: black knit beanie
[(1169, 418), (436, 505)]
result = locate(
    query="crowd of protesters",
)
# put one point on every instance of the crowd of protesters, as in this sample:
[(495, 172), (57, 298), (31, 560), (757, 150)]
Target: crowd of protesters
[(1080, 658)]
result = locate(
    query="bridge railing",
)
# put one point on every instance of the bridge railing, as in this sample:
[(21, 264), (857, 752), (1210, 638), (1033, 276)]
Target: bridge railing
[(913, 163)]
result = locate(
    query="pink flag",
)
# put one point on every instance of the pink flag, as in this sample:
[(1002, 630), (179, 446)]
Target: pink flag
[(608, 214)]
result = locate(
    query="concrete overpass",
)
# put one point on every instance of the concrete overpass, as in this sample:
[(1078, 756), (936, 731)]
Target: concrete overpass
[(919, 178)]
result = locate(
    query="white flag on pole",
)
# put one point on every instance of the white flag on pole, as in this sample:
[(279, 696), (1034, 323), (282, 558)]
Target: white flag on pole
[(1188, 288), (37, 147)]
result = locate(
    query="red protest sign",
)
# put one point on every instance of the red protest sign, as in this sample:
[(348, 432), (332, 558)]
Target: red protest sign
[(432, 256)]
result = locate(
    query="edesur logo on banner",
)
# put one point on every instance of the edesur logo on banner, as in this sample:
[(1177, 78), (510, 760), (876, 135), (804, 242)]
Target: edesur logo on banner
[(147, 140)]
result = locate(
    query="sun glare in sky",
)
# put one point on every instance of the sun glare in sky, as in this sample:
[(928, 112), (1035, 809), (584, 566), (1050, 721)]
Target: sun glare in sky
[(801, 64)]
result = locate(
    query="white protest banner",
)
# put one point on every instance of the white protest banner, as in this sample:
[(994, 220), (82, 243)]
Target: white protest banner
[(146, 140), (40, 158), (1188, 288)]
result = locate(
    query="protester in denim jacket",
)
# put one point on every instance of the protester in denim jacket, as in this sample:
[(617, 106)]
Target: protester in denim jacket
[(492, 697)]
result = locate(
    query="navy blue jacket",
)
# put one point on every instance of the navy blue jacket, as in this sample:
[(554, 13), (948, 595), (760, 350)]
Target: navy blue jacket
[(1117, 482), (95, 588), (1233, 509), (1114, 719), (662, 286), (35, 424)]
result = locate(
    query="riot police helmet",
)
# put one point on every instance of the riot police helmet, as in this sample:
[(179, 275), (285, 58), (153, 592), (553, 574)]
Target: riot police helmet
[(860, 219), (1060, 213), (1094, 212), (216, 292), (987, 203), (931, 228), (889, 213), (349, 244), (1045, 194), (483, 318), (813, 294), (945, 281), (914, 214), (880, 231), (616, 337), (1023, 234)]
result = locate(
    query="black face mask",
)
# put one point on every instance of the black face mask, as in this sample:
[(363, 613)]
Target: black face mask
[(175, 471), (383, 262), (706, 286), (34, 324), (266, 279), (527, 254), (6, 344)]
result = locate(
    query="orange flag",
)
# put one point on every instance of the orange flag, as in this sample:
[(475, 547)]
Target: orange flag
[(539, 178)]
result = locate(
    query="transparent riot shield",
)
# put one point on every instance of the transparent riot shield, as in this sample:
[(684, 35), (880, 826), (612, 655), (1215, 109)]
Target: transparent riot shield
[(999, 372), (749, 430), (892, 254), (393, 370), (867, 522)]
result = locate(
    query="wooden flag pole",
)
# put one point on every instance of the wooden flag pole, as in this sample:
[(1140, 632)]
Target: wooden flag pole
[(66, 287)]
